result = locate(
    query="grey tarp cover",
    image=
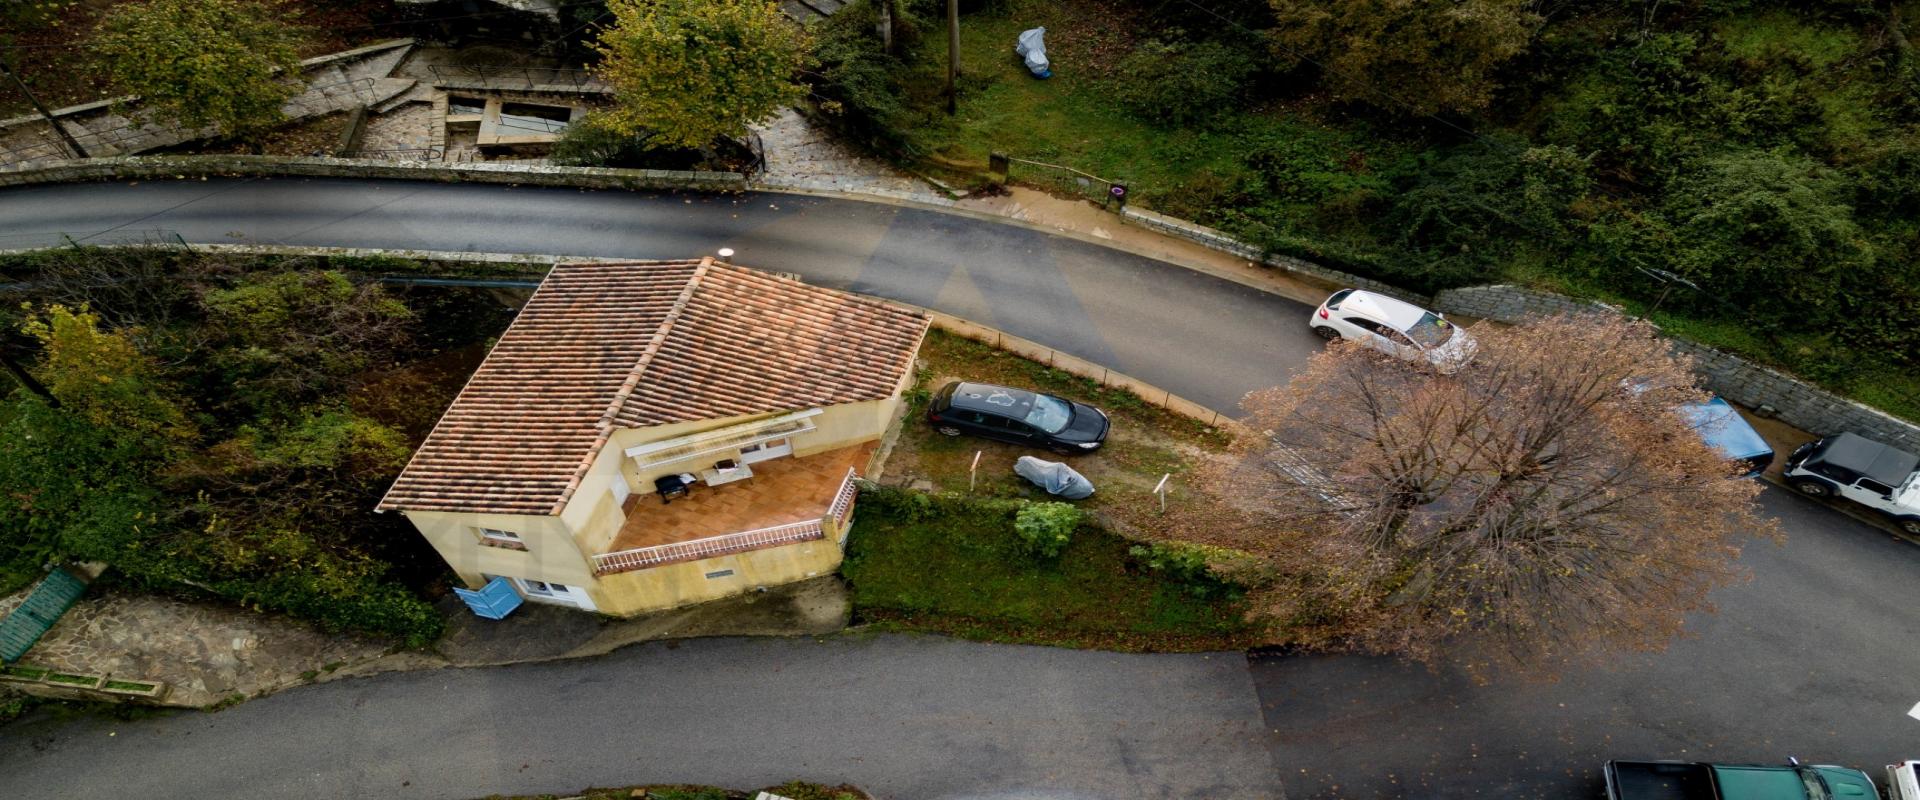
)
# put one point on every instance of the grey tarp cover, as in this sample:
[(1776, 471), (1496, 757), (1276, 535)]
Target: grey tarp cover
[(1032, 47), (1058, 479)]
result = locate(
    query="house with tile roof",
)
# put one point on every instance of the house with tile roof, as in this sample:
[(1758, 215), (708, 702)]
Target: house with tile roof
[(647, 435)]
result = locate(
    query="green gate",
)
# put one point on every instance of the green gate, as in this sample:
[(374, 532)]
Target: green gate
[(55, 594)]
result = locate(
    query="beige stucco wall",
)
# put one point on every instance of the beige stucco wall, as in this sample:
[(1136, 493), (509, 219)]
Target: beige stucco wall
[(551, 554), (559, 547), (675, 585)]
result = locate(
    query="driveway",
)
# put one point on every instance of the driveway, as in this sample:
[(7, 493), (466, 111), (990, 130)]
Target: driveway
[(909, 718)]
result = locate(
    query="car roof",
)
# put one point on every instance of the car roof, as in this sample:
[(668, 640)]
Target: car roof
[(1398, 313), (1869, 458), (992, 398)]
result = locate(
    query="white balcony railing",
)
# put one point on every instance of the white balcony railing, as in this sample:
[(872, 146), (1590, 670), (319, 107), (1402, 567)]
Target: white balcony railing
[(644, 557), (842, 504)]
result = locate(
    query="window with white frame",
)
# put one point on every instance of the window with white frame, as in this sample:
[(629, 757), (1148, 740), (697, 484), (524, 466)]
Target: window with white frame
[(494, 537)]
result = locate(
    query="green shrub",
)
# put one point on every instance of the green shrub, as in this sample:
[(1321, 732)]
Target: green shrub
[(1176, 83), (1188, 566), (1046, 528), (857, 84)]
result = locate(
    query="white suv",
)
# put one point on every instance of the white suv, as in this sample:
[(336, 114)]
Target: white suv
[(1862, 470), (1393, 327)]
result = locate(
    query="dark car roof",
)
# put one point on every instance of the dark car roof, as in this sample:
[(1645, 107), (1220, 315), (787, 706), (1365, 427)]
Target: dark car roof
[(1002, 400), (1869, 458)]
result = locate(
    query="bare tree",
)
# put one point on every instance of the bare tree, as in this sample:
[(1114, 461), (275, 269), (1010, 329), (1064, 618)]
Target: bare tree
[(1544, 503)]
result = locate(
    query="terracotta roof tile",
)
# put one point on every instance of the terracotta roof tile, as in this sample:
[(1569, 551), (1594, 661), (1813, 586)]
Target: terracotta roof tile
[(629, 345)]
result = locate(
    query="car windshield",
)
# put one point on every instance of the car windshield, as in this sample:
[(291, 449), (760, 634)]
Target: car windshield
[(1050, 414), (1431, 330)]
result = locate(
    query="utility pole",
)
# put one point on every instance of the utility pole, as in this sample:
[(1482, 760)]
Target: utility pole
[(953, 55), (71, 142)]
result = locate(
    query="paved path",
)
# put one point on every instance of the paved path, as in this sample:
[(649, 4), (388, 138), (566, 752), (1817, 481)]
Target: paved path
[(910, 718)]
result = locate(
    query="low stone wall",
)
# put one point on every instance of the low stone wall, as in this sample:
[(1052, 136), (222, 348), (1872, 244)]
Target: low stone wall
[(1793, 401), (1219, 240), (176, 167)]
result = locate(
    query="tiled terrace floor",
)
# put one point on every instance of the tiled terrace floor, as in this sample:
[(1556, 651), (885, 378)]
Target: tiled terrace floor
[(781, 491)]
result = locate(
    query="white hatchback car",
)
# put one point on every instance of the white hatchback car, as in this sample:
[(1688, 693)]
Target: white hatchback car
[(1394, 327)]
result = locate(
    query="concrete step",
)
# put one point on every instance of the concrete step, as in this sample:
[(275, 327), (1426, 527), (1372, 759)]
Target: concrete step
[(392, 93), (381, 65), (800, 12)]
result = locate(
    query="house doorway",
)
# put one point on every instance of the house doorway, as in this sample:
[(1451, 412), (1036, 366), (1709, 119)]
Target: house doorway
[(556, 593)]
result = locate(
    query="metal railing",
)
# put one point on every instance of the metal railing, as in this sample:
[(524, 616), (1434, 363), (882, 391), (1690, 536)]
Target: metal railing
[(508, 76), (1106, 192), (657, 555)]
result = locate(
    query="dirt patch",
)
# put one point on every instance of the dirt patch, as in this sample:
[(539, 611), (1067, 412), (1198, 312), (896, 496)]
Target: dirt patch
[(315, 137)]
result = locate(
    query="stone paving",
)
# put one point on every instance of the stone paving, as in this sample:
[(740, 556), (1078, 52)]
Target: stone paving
[(206, 651), (408, 127), (803, 156)]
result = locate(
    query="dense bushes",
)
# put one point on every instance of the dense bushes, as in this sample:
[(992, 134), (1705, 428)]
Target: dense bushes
[(1046, 528), (219, 429), (857, 83), (1180, 83)]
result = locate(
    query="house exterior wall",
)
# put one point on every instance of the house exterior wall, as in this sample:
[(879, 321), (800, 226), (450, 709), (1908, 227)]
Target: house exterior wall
[(551, 553), (559, 548), (674, 585)]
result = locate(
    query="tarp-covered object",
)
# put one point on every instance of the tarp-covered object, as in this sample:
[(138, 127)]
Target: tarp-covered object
[(1032, 47), (1058, 479)]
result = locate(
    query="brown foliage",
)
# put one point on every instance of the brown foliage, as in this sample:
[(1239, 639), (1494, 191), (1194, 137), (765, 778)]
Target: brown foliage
[(1543, 504)]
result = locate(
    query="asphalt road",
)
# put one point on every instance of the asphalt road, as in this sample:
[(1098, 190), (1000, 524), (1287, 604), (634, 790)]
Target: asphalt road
[(1214, 339), (1816, 657), (910, 718), (1813, 658)]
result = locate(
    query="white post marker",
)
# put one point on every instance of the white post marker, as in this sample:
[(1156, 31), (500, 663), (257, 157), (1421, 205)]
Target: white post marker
[(1161, 490), (726, 252), (974, 470), (1915, 711)]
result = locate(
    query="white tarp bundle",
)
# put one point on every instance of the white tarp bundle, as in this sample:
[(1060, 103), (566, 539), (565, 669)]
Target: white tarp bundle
[(1033, 48), (1058, 479)]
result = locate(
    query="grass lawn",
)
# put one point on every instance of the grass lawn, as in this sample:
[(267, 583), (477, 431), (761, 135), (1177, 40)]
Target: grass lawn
[(1145, 442), (958, 569), (1072, 118)]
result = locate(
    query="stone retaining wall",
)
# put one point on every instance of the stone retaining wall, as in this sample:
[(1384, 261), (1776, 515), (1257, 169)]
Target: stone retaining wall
[(1219, 240), (175, 167), (1794, 401)]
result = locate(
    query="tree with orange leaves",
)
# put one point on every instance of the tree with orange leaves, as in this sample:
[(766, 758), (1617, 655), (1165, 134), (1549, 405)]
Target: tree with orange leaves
[(1544, 503)]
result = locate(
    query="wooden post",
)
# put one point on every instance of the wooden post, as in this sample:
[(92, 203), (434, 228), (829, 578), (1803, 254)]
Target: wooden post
[(973, 471), (886, 26), (1161, 490), (953, 55)]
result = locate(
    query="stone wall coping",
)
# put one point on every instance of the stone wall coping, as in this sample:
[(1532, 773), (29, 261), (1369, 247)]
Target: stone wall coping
[(73, 170), (1794, 400)]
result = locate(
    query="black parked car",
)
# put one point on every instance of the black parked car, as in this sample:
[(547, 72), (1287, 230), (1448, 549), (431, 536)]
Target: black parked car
[(1018, 416)]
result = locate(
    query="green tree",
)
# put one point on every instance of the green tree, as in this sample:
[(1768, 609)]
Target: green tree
[(229, 64), (103, 378), (685, 72), (1428, 56)]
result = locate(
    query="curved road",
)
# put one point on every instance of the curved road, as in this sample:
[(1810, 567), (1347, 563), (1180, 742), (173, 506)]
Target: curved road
[(1814, 658)]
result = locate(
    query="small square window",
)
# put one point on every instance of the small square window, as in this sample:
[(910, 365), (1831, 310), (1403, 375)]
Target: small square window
[(498, 538)]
